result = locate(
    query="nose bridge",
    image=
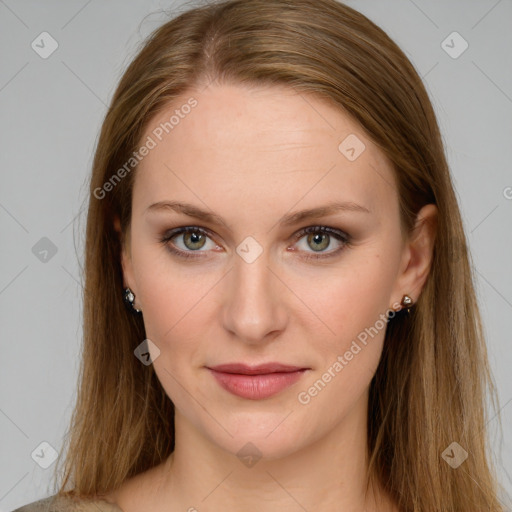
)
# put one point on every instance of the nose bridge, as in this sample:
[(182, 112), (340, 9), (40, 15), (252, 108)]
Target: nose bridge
[(253, 306)]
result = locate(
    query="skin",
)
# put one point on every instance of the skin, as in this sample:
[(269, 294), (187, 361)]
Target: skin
[(252, 155)]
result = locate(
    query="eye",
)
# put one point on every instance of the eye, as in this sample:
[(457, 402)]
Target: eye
[(194, 239), (319, 238)]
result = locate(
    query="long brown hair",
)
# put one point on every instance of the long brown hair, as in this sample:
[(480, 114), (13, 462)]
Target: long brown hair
[(430, 387)]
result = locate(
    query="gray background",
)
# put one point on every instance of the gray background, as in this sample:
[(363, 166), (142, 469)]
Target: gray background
[(51, 110)]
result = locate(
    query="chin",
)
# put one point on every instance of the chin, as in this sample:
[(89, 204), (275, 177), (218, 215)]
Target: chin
[(268, 436)]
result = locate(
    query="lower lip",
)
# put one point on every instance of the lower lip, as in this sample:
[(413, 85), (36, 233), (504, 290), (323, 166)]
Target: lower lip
[(256, 387)]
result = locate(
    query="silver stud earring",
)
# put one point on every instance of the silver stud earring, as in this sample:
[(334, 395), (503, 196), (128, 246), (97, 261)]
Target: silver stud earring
[(129, 299)]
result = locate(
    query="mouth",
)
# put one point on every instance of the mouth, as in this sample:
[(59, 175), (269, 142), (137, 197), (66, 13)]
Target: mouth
[(257, 382)]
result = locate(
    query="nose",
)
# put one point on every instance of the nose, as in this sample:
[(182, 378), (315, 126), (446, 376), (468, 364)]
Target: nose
[(254, 308)]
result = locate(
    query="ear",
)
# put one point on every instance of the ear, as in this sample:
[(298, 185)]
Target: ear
[(417, 255), (126, 262)]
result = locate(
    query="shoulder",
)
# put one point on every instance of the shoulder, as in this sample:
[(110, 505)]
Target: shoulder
[(57, 503)]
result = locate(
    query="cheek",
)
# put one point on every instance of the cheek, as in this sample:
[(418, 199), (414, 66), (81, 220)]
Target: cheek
[(351, 309), (165, 293), (173, 309), (174, 319), (178, 309), (351, 298)]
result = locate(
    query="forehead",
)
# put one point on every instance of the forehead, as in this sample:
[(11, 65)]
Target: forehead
[(271, 145)]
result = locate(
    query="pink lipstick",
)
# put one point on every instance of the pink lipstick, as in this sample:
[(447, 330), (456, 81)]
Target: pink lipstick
[(256, 382)]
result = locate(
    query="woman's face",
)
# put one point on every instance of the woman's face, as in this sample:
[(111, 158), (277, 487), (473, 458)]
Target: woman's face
[(256, 288)]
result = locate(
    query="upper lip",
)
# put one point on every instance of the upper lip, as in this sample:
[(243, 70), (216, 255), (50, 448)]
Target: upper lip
[(255, 370)]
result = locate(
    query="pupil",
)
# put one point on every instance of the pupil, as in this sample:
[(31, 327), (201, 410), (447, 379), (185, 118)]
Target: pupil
[(192, 238), (318, 239)]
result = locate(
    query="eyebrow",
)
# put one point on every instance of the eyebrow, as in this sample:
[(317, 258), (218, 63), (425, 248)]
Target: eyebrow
[(287, 220)]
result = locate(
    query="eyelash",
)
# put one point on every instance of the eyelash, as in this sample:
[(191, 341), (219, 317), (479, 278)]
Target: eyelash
[(339, 235)]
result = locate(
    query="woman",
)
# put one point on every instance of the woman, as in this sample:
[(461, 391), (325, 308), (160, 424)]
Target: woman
[(271, 198)]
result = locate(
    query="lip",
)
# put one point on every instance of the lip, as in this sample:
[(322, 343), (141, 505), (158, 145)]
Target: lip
[(244, 369), (257, 382)]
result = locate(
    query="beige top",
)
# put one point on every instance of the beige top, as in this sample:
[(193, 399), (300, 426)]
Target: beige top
[(63, 504)]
